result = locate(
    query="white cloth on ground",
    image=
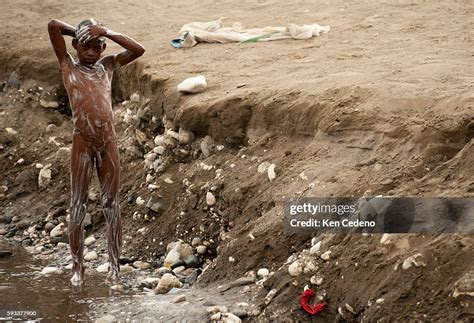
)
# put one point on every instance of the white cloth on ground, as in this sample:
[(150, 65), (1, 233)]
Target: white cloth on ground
[(215, 32)]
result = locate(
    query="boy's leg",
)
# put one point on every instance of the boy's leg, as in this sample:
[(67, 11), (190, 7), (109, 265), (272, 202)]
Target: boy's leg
[(108, 170), (81, 171)]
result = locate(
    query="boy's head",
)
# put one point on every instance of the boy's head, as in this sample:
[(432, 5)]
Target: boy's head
[(88, 52)]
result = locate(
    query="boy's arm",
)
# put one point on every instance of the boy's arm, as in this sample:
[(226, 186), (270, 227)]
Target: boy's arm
[(56, 30), (133, 49)]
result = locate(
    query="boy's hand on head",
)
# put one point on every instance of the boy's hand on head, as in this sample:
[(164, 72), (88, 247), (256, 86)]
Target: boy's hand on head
[(89, 32)]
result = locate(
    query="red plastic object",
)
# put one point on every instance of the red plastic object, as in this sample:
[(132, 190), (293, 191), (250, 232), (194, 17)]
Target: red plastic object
[(304, 302)]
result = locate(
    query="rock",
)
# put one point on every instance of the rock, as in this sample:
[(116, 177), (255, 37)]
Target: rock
[(44, 177), (49, 226), (63, 153), (179, 299), (216, 317), (210, 199), (134, 151), (205, 146), (51, 270), (191, 261), (159, 150), (386, 238), (326, 255), (201, 249), (117, 287), (89, 240), (416, 260), (192, 278), (140, 201), (262, 168), (196, 241), (242, 281), (57, 231), (380, 300), (103, 268), (135, 97), (296, 268), (126, 268), (269, 296), (230, 318), (185, 136), (263, 273), (92, 255), (315, 249), (185, 250), (194, 84), (13, 82), (159, 140), (173, 255), (141, 265), (240, 312), (106, 319), (177, 264), (166, 283), (156, 203), (49, 104), (271, 172), (316, 280), (216, 309), (51, 128), (178, 270), (465, 285)]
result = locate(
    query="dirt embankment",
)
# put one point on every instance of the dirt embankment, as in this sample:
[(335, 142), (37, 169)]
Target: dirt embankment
[(404, 132)]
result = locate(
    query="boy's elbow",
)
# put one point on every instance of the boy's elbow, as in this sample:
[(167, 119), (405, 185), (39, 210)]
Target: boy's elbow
[(52, 23), (141, 51)]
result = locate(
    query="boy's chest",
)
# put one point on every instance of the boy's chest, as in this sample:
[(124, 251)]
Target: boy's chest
[(87, 81)]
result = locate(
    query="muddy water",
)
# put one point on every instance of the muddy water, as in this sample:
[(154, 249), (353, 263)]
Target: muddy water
[(23, 288)]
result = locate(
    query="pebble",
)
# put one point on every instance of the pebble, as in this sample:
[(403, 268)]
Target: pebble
[(44, 176), (179, 269), (141, 265), (89, 240), (216, 309), (126, 268), (92, 255), (49, 104), (271, 172), (51, 270), (201, 249), (11, 131), (179, 299), (155, 203), (263, 273), (269, 296), (465, 285), (51, 127), (166, 283), (185, 136), (416, 260), (315, 249), (326, 255), (315, 280), (296, 268), (103, 268), (380, 300), (140, 201), (185, 250), (210, 199), (57, 231), (196, 241)]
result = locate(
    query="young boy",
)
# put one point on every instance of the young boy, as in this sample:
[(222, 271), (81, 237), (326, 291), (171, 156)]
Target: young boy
[(94, 143)]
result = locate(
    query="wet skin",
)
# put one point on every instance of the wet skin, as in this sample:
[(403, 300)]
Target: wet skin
[(94, 144)]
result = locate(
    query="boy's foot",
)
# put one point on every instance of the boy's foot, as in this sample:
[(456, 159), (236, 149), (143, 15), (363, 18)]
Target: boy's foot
[(77, 279)]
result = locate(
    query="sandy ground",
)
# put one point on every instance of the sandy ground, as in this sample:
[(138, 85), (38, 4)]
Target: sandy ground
[(382, 104)]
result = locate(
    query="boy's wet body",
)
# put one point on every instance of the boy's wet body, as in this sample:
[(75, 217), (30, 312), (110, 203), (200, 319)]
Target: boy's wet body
[(88, 84)]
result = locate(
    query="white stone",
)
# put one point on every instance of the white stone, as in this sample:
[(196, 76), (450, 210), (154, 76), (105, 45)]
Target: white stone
[(51, 270), (263, 273), (210, 199), (185, 136), (11, 131), (179, 299), (159, 140), (140, 201), (271, 172), (141, 265), (325, 256), (315, 249), (380, 300), (166, 283), (262, 168), (92, 255), (159, 150), (316, 280), (57, 231), (296, 268), (89, 240), (44, 177), (201, 249), (103, 268), (193, 85), (416, 260)]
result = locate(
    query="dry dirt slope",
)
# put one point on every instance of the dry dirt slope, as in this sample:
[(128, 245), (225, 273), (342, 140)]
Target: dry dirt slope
[(392, 78)]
